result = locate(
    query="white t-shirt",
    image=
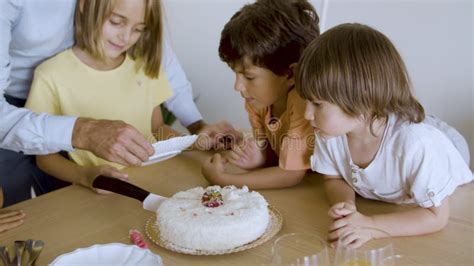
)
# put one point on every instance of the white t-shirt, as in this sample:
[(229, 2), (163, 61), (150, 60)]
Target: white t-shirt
[(416, 163)]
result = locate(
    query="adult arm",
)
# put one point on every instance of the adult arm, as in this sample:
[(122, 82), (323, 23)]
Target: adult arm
[(21, 129), (115, 141), (31, 133), (182, 103)]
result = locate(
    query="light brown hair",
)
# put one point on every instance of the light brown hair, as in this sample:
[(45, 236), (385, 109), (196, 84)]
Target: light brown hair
[(90, 18), (358, 69), (271, 33)]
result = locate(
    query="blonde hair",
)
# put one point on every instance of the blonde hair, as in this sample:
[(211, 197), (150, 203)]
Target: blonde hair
[(358, 69), (90, 18)]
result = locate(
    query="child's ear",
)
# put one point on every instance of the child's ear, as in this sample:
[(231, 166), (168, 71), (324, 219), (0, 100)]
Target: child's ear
[(291, 74)]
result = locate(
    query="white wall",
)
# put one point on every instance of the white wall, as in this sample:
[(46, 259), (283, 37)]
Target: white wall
[(435, 38)]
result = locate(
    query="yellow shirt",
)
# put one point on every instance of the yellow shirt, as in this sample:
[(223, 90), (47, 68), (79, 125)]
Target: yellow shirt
[(290, 136), (64, 85)]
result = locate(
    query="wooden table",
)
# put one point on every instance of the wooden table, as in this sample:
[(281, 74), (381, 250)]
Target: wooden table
[(76, 217)]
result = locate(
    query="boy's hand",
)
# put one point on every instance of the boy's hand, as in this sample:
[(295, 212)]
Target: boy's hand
[(105, 170), (247, 155), (341, 209), (355, 237), (11, 219), (348, 227), (219, 136), (213, 169)]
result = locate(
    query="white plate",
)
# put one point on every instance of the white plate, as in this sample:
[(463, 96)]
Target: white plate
[(169, 148), (109, 254)]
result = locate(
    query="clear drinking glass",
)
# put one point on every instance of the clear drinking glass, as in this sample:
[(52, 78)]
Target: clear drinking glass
[(376, 252), (300, 249)]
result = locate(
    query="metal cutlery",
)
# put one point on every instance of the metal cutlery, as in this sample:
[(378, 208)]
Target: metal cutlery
[(29, 248), (4, 255), (34, 247), (19, 250)]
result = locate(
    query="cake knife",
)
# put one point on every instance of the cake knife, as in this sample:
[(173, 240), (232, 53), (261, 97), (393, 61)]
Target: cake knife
[(150, 201)]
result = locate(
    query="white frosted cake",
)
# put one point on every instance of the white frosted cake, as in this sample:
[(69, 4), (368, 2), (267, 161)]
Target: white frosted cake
[(214, 218)]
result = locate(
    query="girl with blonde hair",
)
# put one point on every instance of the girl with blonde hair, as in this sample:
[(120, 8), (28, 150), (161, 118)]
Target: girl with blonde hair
[(112, 72)]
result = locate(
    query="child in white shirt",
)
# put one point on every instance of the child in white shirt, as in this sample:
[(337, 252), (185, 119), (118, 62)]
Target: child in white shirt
[(371, 138)]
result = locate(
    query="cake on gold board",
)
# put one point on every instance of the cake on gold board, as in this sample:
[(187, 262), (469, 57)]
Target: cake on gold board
[(213, 220)]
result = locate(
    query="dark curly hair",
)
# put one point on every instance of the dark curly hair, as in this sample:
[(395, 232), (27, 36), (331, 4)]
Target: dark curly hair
[(271, 33)]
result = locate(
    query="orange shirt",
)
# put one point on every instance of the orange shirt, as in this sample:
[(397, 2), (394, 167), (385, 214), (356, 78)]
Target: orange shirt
[(290, 136)]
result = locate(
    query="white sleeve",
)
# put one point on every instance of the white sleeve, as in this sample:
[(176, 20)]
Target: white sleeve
[(434, 169), (321, 160), (8, 14), (182, 103), (21, 129)]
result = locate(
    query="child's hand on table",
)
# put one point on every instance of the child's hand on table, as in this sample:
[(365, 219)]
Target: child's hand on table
[(347, 223), (247, 154), (341, 209), (105, 170), (213, 169), (356, 237), (10, 219)]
